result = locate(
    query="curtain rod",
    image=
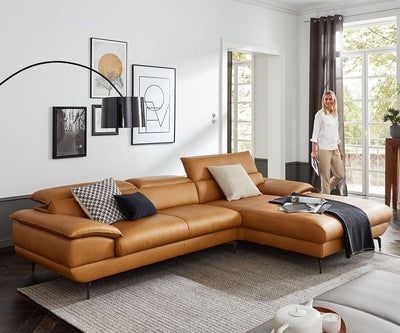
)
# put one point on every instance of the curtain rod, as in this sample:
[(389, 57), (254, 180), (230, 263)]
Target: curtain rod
[(373, 12)]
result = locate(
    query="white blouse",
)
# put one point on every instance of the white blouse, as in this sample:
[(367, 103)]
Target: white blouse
[(326, 131)]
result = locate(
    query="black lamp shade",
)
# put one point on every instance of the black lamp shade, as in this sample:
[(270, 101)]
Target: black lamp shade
[(121, 112)]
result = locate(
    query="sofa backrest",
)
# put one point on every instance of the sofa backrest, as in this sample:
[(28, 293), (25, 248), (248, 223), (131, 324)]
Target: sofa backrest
[(59, 200), (207, 188), (167, 191)]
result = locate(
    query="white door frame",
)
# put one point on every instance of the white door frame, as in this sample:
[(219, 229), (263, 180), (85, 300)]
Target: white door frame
[(276, 102)]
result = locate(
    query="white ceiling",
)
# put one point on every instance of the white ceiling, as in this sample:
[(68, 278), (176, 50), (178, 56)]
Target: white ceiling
[(301, 4), (305, 5)]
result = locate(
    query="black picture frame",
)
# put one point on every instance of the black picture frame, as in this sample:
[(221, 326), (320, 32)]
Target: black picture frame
[(116, 51), (69, 131), (97, 130), (163, 80)]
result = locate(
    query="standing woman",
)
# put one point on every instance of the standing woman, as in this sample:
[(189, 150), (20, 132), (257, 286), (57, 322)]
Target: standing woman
[(326, 143)]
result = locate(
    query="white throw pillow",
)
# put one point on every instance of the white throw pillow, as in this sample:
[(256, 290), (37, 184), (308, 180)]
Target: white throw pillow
[(234, 181)]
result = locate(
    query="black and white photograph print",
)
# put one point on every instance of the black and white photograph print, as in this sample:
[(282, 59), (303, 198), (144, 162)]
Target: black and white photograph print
[(69, 131), (96, 123), (157, 85), (109, 58)]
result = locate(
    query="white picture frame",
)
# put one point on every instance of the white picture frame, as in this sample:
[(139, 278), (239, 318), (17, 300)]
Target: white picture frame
[(97, 130)]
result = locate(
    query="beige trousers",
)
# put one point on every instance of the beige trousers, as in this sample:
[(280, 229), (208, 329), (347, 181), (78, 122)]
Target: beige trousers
[(329, 160)]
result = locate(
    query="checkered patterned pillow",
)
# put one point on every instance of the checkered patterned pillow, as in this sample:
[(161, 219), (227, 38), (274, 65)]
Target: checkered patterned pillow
[(98, 202)]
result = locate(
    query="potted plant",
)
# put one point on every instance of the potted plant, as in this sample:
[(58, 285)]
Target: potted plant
[(393, 115)]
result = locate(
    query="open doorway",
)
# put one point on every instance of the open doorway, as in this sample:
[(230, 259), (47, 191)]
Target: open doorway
[(252, 105)]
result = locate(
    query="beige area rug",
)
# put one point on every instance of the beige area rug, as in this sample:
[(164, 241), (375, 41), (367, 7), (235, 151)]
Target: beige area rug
[(214, 290)]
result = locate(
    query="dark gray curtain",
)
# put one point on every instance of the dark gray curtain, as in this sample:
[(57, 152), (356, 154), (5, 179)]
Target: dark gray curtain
[(229, 101), (326, 74)]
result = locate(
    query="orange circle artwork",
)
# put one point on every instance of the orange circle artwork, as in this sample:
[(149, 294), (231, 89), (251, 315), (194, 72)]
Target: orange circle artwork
[(109, 63)]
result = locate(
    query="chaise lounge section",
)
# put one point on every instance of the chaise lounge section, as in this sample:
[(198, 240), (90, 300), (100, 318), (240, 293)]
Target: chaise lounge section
[(311, 234), (192, 214)]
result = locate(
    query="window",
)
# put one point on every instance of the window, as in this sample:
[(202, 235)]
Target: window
[(369, 88), (242, 137)]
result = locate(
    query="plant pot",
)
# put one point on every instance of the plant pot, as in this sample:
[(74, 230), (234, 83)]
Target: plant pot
[(395, 131)]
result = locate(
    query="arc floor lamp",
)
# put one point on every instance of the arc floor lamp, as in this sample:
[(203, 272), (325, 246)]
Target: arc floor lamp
[(118, 112), (121, 112)]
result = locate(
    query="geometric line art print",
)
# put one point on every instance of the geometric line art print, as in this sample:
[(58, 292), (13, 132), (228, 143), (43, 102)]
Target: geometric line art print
[(150, 101), (156, 93), (156, 85)]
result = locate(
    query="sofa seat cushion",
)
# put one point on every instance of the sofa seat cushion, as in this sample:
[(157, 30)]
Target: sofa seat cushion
[(377, 213), (204, 219), (149, 232), (258, 214)]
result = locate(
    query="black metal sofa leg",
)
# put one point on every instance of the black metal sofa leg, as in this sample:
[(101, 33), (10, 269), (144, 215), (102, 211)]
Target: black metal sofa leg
[(234, 245), (379, 243), (88, 285)]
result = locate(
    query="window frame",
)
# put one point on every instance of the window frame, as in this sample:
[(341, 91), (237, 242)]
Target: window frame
[(365, 102), (235, 103)]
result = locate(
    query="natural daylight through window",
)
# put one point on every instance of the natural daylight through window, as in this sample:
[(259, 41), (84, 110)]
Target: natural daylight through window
[(369, 88), (242, 101)]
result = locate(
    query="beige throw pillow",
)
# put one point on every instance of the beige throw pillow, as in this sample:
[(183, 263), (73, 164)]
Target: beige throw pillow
[(234, 181)]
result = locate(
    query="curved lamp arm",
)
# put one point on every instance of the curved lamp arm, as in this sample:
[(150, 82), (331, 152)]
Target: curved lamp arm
[(61, 62), (116, 111)]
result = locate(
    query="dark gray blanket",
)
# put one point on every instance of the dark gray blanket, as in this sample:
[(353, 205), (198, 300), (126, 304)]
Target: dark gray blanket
[(356, 226)]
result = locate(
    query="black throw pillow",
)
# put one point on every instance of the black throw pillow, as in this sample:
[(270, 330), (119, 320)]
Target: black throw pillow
[(135, 205)]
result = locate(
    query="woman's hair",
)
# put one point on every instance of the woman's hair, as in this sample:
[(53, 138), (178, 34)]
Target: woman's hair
[(334, 109)]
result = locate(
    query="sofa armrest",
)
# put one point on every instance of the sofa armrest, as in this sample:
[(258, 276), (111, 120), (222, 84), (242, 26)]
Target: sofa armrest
[(65, 225), (282, 187)]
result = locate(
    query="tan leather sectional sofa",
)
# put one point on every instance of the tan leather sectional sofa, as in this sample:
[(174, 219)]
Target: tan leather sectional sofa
[(192, 214)]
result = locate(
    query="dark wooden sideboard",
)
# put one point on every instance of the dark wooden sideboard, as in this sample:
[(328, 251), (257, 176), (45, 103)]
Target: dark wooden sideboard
[(392, 171)]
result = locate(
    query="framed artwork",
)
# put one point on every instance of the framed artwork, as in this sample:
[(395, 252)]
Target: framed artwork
[(96, 123), (157, 85), (109, 58), (69, 131)]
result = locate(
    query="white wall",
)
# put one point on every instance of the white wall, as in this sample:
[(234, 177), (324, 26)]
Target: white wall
[(185, 34), (260, 105), (270, 126), (351, 13)]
